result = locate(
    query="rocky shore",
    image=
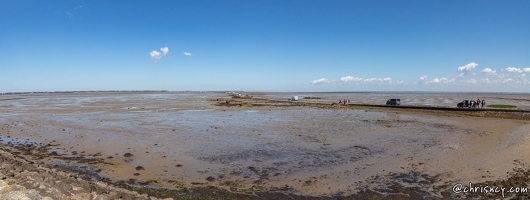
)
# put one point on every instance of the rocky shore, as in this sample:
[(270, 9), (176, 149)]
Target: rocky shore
[(22, 179)]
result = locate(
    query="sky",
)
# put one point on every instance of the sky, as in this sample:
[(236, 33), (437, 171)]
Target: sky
[(265, 45)]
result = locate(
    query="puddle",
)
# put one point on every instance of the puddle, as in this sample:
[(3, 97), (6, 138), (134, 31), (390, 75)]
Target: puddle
[(19, 141)]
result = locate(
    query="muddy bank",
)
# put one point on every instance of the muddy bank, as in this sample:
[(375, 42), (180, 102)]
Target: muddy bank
[(52, 182), (444, 111), (27, 179)]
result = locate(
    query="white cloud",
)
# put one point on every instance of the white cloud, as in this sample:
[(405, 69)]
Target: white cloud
[(370, 79), (351, 79), (473, 81), (486, 80), (347, 79), (157, 55), (378, 79), (164, 50), (442, 80), (489, 71), (425, 80), (527, 70), (319, 81), (187, 54), (464, 70), (78, 7), (513, 70), (69, 14)]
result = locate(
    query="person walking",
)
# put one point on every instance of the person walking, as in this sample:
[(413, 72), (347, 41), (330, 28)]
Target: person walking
[(344, 101), (483, 103)]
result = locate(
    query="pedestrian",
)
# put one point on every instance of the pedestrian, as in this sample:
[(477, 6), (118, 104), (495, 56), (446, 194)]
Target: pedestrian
[(483, 103), (340, 101), (348, 101), (344, 101)]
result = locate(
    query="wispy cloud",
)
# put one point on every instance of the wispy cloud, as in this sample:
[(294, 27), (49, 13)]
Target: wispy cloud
[(319, 81), (486, 80), (188, 54), (466, 69), (157, 55), (351, 79), (70, 14), (387, 79), (522, 76), (443, 80), (356, 80), (425, 80)]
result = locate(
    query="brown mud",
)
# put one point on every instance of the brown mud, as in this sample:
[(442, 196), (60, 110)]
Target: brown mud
[(412, 152)]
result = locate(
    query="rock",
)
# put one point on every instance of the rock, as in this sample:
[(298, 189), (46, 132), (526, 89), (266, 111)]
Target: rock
[(76, 188), (101, 184), (127, 155), (140, 168), (211, 179)]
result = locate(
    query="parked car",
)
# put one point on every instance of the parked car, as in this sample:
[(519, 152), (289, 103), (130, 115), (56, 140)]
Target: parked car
[(464, 103), (295, 98), (393, 102)]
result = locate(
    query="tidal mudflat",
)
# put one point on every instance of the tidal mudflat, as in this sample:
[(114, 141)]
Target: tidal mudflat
[(187, 140)]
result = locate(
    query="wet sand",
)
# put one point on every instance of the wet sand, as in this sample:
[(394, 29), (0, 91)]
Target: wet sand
[(177, 140)]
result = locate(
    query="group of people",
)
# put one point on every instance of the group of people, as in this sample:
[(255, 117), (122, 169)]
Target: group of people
[(478, 103), (344, 101)]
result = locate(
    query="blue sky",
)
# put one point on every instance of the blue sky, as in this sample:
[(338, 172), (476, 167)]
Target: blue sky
[(265, 45)]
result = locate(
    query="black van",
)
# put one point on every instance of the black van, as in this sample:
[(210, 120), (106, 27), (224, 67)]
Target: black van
[(393, 102)]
